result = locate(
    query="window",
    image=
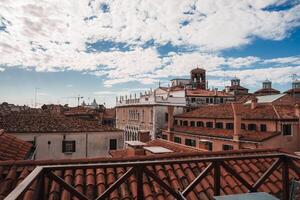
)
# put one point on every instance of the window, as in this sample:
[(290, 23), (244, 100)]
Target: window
[(165, 137), (227, 147), (200, 124), (193, 100), (243, 126), (286, 129), (177, 140), (68, 146), (190, 142), (181, 123), (229, 125), (221, 100), (208, 145), (185, 123), (252, 127), (211, 100), (209, 124), (192, 123), (207, 100), (112, 144), (166, 117), (263, 127), (219, 125), (175, 122)]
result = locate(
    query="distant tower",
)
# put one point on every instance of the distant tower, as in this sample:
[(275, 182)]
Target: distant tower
[(198, 78), (296, 84), (235, 81), (267, 84)]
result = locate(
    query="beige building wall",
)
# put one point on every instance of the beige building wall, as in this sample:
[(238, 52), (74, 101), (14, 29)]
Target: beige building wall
[(91, 144)]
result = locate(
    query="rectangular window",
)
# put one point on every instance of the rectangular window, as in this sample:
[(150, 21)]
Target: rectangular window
[(177, 140), (209, 124), (219, 125), (166, 117), (229, 125), (207, 145), (112, 144), (68, 146), (190, 142), (221, 100), (193, 100), (165, 137), (252, 127), (176, 122), (227, 147), (185, 123), (181, 123), (192, 123), (286, 129), (207, 100), (243, 126), (200, 124), (263, 127)]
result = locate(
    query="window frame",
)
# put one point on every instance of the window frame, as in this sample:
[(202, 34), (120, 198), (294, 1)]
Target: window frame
[(65, 147), (291, 126), (113, 139)]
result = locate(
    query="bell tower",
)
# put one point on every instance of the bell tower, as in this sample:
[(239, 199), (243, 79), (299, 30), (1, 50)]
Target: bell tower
[(198, 78)]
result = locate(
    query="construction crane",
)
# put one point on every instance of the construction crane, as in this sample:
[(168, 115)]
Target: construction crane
[(78, 99)]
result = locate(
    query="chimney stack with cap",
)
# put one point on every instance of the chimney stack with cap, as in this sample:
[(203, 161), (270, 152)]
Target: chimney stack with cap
[(254, 103), (237, 121)]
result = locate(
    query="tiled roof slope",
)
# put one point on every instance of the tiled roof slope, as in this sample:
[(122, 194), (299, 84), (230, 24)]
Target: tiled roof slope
[(267, 91), (225, 111), (92, 182), (175, 147), (255, 136), (12, 148), (45, 122)]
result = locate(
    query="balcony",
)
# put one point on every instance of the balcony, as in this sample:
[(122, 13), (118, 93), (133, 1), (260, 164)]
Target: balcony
[(183, 176)]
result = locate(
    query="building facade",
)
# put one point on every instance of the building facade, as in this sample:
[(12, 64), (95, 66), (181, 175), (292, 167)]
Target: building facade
[(264, 122)]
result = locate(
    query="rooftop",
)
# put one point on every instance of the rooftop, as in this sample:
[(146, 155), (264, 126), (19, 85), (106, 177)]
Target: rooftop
[(183, 176), (12, 148), (206, 93), (46, 123)]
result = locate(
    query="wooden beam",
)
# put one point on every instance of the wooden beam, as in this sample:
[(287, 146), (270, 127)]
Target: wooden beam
[(24, 185), (217, 178), (191, 186), (66, 186), (163, 184), (285, 179), (116, 184), (139, 181), (266, 175), (237, 176)]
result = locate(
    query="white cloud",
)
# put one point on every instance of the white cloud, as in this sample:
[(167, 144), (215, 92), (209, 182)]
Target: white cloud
[(52, 35)]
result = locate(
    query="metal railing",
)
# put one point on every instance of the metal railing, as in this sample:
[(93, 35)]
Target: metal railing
[(283, 160)]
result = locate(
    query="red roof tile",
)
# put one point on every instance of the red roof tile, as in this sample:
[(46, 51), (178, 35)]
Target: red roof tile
[(92, 182), (12, 148), (45, 122), (206, 93)]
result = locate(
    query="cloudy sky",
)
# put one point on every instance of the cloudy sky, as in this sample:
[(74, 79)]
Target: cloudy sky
[(100, 49)]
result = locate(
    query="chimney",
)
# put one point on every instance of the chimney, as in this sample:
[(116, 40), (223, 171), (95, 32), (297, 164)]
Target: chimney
[(254, 103), (237, 121), (144, 136), (135, 148), (170, 118)]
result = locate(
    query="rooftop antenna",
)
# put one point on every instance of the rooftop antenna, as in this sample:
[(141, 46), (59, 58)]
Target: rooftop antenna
[(35, 96)]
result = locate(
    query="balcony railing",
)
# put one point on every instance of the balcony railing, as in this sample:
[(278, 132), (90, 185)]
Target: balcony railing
[(139, 169)]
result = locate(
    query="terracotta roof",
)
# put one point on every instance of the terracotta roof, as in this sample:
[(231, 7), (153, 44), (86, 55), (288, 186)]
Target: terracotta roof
[(93, 181), (206, 93), (224, 111), (255, 136), (46, 122), (292, 91), (12, 148), (109, 113), (175, 147), (237, 87), (265, 91)]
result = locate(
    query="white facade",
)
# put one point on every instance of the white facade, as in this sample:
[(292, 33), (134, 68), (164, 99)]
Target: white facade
[(87, 145)]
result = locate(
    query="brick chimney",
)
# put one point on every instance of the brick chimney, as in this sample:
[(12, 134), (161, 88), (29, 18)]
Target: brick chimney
[(135, 148), (144, 136), (170, 118), (254, 103), (237, 120)]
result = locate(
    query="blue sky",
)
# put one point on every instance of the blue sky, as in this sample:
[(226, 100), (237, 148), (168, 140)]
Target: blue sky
[(103, 49)]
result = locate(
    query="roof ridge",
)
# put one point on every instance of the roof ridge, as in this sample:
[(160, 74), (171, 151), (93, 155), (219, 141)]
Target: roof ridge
[(276, 111)]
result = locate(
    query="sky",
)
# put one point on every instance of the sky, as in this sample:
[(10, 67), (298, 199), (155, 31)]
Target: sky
[(56, 50)]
